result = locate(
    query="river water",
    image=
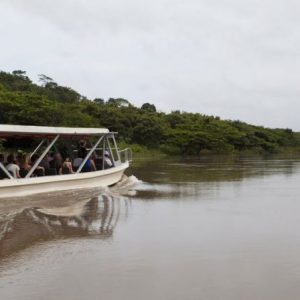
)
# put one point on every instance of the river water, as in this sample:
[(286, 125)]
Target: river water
[(212, 228)]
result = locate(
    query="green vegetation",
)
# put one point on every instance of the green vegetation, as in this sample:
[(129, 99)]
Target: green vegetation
[(49, 104)]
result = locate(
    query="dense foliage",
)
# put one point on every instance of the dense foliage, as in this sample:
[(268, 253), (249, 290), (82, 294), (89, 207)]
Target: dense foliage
[(49, 104)]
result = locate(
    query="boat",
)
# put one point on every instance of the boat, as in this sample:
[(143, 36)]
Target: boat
[(101, 141)]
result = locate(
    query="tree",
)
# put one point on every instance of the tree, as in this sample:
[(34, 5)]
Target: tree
[(148, 131), (118, 102), (99, 101), (148, 107), (17, 81), (23, 102), (44, 79), (20, 73)]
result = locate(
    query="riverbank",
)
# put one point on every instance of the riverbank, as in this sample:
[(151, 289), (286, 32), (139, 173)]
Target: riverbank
[(176, 133), (140, 151)]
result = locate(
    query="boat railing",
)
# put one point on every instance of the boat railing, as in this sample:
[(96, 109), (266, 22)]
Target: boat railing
[(125, 155)]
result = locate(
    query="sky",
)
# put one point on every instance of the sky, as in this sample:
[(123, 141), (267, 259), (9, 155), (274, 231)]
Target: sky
[(237, 59)]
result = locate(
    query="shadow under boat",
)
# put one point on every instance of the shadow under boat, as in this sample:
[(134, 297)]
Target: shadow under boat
[(96, 217)]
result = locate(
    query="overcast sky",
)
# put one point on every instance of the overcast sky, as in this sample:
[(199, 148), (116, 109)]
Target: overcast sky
[(238, 59)]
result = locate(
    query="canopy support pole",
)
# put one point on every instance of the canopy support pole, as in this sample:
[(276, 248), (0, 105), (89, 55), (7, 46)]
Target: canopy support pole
[(110, 152), (89, 154), (6, 172), (116, 147), (37, 148), (103, 150), (41, 157)]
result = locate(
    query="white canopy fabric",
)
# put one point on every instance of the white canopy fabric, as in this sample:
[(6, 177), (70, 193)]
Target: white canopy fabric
[(43, 130)]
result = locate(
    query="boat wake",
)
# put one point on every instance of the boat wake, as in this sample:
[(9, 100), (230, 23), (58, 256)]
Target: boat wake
[(126, 187)]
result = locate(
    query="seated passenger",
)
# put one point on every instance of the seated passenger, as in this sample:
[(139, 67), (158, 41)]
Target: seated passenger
[(77, 162), (45, 162), (82, 148), (107, 162), (24, 162), (93, 166), (66, 167), (88, 166), (12, 167), (56, 162), (34, 158)]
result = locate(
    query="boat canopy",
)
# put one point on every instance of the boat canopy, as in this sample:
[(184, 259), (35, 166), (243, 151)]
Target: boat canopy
[(23, 130)]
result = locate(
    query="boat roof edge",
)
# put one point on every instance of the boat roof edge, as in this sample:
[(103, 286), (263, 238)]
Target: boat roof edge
[(6, 129)]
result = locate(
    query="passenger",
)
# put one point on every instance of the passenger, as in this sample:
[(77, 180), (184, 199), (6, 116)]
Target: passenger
[(50, 156), (24, 162), (93, 161), (45, 162), (93, 166), (56, 162), (88, 166), (81, 153), (77, 162), (12, 167), (107, 161), (34, 158), (82, 148), (66, 165)]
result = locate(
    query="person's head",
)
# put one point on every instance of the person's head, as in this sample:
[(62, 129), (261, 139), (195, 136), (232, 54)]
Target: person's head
[(106, 153), (82, 143), (24, 159), (67, 159), (10, 158)]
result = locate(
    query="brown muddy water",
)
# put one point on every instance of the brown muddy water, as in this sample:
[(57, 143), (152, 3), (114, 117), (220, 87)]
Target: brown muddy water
[(212, 228)]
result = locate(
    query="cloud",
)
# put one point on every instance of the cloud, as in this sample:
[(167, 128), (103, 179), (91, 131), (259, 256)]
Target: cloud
[(232, 58)]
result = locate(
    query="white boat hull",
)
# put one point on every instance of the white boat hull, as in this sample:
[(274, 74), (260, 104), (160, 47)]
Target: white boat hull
[(46, 184)]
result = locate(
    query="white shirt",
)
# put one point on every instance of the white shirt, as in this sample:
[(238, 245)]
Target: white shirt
[(108, 161), (13, 168)]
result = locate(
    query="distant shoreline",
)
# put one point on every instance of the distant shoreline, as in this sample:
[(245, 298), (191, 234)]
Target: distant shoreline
[(143, 128)]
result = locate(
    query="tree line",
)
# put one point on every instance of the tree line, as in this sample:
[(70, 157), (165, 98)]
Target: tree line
[(49, 104)]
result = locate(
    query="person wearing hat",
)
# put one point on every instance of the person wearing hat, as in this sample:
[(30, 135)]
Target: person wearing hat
[(107, 162)]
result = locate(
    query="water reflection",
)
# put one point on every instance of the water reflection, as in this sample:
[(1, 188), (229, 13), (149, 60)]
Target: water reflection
[(212, 168), (213, 228), (190, 178), (97, 216), (24, 221)]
